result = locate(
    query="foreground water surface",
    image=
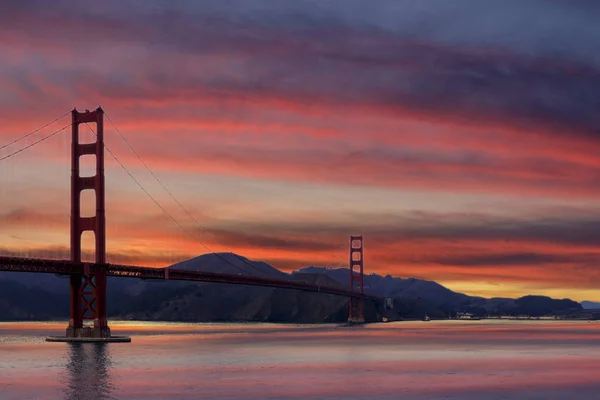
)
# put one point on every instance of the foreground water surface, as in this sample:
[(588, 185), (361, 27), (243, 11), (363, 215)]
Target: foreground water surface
[(405, 360)]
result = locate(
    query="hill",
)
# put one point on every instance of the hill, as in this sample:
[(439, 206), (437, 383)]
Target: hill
[(589, 305), (26, 296), (389, 286), (230, 263)]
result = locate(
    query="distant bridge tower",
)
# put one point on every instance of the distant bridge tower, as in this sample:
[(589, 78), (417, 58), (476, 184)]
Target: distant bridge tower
[(88, 290), (357, 305)]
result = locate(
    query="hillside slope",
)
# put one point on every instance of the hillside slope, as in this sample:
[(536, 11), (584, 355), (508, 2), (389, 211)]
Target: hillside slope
[(26, 296)]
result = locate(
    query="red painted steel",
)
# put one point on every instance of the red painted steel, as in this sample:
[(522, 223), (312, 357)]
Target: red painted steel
[(357, 304), (88, 289)]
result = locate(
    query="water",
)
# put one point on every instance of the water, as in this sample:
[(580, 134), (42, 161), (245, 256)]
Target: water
[(408, 360)]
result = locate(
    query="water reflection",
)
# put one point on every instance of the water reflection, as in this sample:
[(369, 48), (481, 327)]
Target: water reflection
[(88, 372), (483, 360)]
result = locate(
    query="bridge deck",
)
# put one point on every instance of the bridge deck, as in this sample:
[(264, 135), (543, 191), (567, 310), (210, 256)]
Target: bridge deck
[(66, 267)]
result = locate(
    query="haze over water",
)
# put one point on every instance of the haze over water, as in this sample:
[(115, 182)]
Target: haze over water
[(407, 360)]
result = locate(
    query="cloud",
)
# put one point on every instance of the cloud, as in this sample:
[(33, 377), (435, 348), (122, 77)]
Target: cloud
[(24, 216), (444, 247), (124, 257), (217, 80), (273, 52), (256, 239), (467, 248), (437, 97)]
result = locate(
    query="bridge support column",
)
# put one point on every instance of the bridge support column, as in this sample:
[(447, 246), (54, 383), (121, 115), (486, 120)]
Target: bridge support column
[(88, 291), (357, 304)]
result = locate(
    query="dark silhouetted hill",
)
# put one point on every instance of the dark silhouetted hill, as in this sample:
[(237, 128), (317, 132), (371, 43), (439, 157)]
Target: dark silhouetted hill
[(230, 263), (590, 305), (26, 296), (537, 306)]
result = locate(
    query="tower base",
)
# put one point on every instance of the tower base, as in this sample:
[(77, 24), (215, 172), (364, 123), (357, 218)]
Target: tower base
[(91, 332), (112, 339), (88, 334), (356, 320)]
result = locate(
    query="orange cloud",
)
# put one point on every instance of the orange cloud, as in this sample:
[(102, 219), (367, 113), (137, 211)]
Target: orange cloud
[(189, 111)]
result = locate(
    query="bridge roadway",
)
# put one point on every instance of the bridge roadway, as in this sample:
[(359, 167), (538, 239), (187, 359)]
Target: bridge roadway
[(66, 267)]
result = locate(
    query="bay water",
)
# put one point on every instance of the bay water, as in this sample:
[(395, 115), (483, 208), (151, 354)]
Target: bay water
[(462, 360)]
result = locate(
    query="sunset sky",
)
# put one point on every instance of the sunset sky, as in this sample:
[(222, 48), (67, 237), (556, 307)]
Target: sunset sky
[(461, 138)]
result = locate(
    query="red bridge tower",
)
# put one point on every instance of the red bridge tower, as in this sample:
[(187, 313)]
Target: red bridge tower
[(88, 290), (357, 305)]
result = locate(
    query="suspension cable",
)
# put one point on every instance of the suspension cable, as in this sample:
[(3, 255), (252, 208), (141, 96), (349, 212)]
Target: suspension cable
[(33, 132), (34, 143), (165, 211), (168, 191)]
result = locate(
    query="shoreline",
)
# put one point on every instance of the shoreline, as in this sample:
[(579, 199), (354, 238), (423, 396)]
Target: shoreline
[(343, 323)]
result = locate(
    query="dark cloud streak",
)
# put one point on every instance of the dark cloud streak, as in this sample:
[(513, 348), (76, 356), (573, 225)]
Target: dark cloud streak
[(396, 229), (292, 52)]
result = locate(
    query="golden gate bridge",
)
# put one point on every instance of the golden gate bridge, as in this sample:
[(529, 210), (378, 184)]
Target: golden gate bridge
[(87, 280)]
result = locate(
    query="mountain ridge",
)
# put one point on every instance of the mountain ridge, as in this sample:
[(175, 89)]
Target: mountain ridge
[(130, 298), (590, 305)]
